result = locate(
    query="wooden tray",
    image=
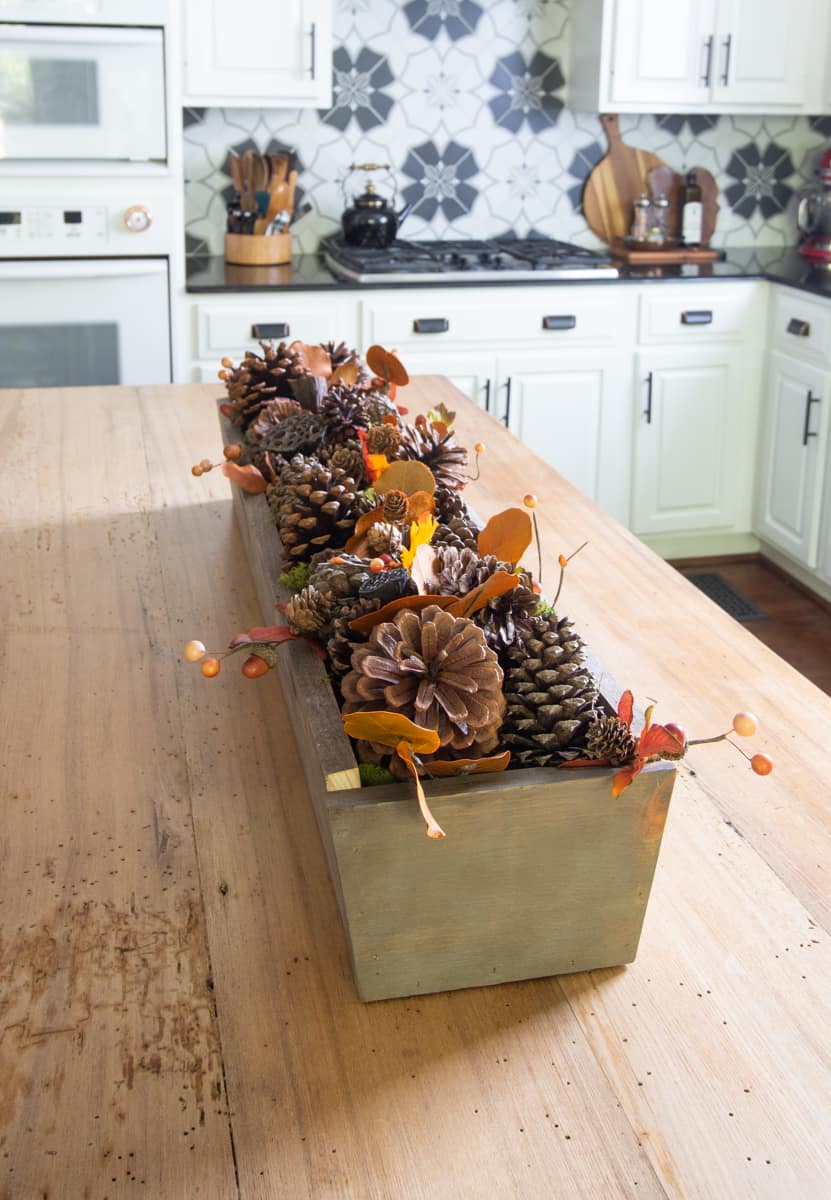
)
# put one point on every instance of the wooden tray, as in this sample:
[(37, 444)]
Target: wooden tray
[(658, 255), (541, 872)]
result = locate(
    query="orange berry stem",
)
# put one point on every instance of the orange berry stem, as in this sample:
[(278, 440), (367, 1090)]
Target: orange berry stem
[(720, 737), (539, 548)]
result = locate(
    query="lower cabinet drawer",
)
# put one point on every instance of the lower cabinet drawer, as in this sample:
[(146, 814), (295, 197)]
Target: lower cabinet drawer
[(801, 326), (550, 317), (222, 329), (695, 314)]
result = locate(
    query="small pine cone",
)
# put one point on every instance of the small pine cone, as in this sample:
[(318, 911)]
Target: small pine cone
[(309, 612), (349, 460), (503, 617), (450, 504), (340, 574), (456, 532), (459, 571), (384, 439), (609, 737), (395, 507), (343, 640), (384, 538), (428, 444)]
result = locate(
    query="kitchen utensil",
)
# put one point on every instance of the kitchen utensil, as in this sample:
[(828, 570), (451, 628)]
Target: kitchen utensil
[(246, 189), (371, 220), (292, 183), (278, 201), (279, 165), (615, 183)]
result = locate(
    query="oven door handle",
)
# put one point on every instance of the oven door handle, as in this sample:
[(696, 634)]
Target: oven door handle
[(83, 35), (83, 268)]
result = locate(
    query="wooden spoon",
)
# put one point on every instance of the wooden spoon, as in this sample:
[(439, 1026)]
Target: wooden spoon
[(278, 200)]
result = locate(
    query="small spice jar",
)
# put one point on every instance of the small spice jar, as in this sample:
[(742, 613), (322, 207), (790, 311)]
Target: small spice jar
[(659, 224), (640, 219)]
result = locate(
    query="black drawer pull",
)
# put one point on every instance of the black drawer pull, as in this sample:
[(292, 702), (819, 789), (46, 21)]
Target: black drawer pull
[(431, 325), (703, 316), (559, 321), (799, 328), (280, 329)]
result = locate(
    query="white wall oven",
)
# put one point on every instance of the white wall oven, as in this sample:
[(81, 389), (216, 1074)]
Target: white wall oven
[(92, 91), (84, 288)]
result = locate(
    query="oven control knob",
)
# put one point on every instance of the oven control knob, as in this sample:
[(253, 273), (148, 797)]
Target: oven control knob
[(137, 218)]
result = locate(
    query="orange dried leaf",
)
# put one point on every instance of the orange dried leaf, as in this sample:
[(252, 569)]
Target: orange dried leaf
[(408, 476), (405, 753), (507, 535), (418, 504), (468, 766), (625, 707), (389, 728), (314, 358), (386, 364), (249, 478), (346, 373), (495, 585), (368, 519), (368, 621)]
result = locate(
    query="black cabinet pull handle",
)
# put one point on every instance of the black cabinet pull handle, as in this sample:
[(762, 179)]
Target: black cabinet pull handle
[(647, 412), (431, 325), (728, 41), (798, 328), (809, 401), (559, 321), (703, 316), (313, 48), (280, 329), (506, 416), (486, 388), (708, 47)]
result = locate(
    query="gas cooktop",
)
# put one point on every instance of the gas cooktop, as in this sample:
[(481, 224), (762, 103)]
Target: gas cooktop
[(460, 261)]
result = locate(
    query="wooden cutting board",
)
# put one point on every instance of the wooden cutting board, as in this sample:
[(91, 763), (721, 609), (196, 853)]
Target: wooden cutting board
[(615, 183)]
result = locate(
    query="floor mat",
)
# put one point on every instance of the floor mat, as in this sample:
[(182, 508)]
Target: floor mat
[(725, 596)]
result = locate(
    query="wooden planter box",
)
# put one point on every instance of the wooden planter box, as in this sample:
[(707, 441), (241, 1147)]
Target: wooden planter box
[(542, 872)]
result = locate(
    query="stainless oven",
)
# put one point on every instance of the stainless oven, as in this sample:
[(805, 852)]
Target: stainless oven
[(78, 83)]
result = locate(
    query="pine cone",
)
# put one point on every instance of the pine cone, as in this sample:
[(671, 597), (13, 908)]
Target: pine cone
[(314, 508), (384, 439), (608, 737), (269, 416), (435, 669), (450, 504), (309, 612), (341, 354), (395, 507), (347, 459), (550, 693), (383, 538), (504, 617), (439, 451), (340, 574), (457, 533), (459, 571), (256, 380), (343, 640)]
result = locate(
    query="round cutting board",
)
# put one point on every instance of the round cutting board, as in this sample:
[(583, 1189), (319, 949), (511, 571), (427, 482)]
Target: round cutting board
[(615, 184)]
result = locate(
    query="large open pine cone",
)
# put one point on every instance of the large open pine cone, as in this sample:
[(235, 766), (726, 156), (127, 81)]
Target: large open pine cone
[(435, 669), (257, 380), (446, 459), (315, 508), (550, 693)]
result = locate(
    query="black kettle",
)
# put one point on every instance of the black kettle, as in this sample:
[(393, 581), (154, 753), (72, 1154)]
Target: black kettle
[(371, 221)]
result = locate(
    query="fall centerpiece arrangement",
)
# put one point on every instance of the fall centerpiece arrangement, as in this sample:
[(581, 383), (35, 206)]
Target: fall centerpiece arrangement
[(444, 656)]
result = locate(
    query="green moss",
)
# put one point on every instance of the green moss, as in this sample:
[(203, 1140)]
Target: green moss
[(544, 609), (296, 577), (371, 775)]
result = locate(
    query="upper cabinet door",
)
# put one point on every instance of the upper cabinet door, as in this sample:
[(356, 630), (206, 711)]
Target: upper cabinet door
[(255, 53), (662, 53), (764, 52)]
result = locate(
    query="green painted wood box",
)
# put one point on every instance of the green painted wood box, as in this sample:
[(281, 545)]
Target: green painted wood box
[(542, 872)]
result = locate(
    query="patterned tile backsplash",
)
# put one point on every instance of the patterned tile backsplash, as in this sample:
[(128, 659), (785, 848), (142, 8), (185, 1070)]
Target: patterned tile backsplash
[(469, 104)]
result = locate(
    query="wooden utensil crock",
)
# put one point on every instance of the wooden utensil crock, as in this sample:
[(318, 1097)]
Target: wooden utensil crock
[(253, 250)]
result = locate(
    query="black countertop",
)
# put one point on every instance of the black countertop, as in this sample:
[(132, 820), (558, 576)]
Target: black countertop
[(307, 273)]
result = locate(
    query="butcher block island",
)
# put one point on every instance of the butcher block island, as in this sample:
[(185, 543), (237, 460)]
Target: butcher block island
[(178, 1005)]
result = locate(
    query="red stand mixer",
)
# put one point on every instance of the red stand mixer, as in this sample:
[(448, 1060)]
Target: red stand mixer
[(813, 216)]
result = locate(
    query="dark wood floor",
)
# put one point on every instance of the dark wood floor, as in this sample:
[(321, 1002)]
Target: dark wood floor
[(798, 627)]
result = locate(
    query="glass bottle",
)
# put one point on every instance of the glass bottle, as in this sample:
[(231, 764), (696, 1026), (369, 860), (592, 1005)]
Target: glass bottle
[(640, 219)]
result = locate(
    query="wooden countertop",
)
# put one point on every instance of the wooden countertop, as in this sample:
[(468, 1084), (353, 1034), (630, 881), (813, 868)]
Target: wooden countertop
[(176, 1004)]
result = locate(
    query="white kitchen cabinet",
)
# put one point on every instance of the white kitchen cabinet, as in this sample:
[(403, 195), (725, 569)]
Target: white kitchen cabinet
[(473, 373), (688, 440), (793, 457), (699, 55), (257, 54)]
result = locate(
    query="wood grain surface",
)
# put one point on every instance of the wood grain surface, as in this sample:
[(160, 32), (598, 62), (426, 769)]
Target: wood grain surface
[(176, 1000)]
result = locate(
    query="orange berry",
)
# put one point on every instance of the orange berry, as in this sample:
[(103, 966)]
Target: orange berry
[(376, 566), (529, 500), (537, 587), (210, 667), (254, 667), (193, 651), (206, 464), (226, 361), (479, 447), (761, 764), (677, 732), (563, 561), (233, 451), (745, 724), (223, 375), (196, 470)]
